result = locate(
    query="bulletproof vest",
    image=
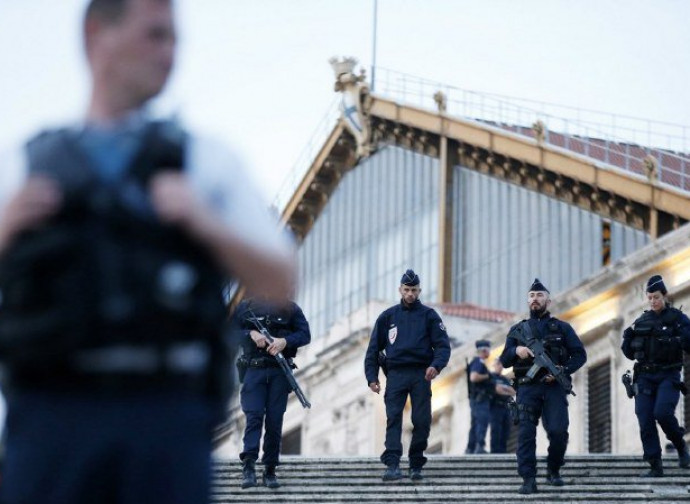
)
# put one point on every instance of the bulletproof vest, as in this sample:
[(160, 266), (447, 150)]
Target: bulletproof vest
[(554, 346), (481, 391), (105, 270), (656, 339), (277, 322)]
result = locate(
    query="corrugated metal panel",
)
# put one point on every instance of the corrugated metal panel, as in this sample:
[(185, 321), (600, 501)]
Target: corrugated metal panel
[(381, 220), (507, 235)]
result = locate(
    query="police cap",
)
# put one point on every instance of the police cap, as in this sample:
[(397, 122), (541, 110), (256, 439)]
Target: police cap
[(537, 286), (656, 283), (410, 278), (482, 343)]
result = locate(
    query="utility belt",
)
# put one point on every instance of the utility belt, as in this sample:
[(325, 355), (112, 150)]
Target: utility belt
[(182, 367), (481, 396), (262, 362), (523, 380), (655, 368)]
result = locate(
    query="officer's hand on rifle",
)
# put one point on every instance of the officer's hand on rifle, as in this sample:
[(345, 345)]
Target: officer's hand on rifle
[(375, 387), (277, 346), (259, 339), (523, 352), (430, 374)]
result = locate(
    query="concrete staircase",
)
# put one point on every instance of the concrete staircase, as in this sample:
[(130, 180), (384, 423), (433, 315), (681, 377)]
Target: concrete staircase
[(480, 478)]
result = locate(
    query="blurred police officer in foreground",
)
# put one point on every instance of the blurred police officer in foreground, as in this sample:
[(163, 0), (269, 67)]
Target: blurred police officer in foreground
[(501, 421), (265, 388), (656, 340), (481, 391), (542, 396), (117, 236), (416, 348)]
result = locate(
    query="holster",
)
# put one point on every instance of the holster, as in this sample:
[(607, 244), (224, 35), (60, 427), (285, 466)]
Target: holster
[(242, 364)]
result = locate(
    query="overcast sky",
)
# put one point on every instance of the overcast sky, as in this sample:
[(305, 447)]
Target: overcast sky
[(255, 72)]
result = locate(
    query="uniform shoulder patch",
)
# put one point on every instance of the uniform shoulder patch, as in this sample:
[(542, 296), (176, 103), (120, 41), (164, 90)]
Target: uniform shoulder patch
[(441, 326)]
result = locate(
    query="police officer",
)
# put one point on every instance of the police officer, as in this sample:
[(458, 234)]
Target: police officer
[(656, 340), (416, 348), (117, 236), (499, 412), (481, 391), (542, 397), (265, 388)]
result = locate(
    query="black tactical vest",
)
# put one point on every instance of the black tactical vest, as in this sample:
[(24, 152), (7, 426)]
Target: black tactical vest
[(656, 339), (104, 271), (554, 345), (480, 391)]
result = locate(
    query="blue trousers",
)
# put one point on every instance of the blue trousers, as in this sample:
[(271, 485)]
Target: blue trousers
[(263, 398), (85, 448), (401, 383), (500, 427), (480, 420), (548, 402), (472, 437), (656, 401)]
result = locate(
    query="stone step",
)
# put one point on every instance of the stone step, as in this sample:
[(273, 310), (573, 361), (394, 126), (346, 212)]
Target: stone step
[(511, 481), (588, 478), (254, 495)]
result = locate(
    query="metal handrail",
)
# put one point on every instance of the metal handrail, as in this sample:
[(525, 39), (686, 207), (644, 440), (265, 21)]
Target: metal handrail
[(618, 140), (307, 155)]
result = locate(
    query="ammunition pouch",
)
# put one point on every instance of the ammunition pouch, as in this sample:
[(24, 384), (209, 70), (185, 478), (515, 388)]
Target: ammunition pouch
[(523, 412)]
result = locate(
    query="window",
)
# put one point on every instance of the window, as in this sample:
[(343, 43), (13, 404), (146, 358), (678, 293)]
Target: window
[(599, 397)]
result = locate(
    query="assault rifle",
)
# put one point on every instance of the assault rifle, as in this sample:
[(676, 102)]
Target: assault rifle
[(282, 361), (542, 360)]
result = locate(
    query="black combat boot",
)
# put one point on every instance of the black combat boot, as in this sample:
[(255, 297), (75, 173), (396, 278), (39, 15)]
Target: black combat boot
[(392, 473), (553, 478), (269, 477), (683, 456), (248, 473), (529, 486), (656, 469), (416, 474)]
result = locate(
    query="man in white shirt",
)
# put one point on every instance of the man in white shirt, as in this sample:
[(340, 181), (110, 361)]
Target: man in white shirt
[(116, 238)]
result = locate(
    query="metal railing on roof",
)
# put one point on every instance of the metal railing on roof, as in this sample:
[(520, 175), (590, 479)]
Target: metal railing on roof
[(617, 140), (308, 154)]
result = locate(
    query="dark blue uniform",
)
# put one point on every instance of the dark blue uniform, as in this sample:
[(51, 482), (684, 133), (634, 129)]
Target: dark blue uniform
[(500, 416), (265, 389), (480, 404), (657, 341), (538, 399), (414, 338)]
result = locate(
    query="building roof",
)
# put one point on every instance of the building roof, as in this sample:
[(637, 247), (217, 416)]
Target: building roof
[(472, 311)]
